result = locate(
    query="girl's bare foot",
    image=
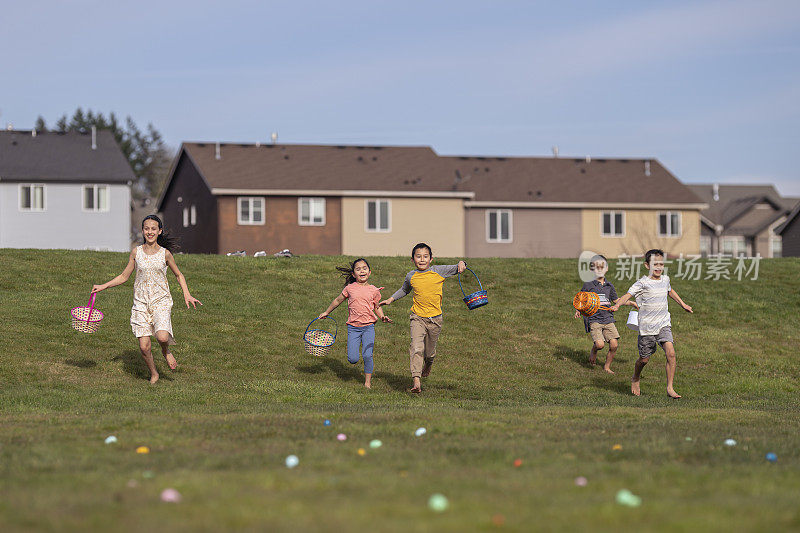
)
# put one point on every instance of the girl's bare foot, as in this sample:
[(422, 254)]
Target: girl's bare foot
[(153, 378), (635, 388), (672, 394), (173, 364), (368, 381), (608, 369)]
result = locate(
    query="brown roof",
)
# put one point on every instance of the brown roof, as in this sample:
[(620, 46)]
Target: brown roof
[(51, 156), (735, 200), (420, 169)]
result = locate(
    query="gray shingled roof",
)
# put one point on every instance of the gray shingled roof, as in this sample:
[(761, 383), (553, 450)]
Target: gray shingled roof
[(419, 168), (62, 157), (734, 208)]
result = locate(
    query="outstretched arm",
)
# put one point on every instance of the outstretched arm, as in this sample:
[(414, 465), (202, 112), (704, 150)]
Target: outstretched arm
[(334, 304), (621, 301), (674, 296), (188, 298), (630, 302), (402, 291), (122, 278)]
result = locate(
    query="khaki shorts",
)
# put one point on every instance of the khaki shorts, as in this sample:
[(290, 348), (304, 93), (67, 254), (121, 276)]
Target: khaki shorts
[(603, 332)]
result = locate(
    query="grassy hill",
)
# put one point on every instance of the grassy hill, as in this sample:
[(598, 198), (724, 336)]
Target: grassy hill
[(510, 382)]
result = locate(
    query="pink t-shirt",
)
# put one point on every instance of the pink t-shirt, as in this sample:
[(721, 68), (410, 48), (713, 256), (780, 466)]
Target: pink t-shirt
[(361, 301)]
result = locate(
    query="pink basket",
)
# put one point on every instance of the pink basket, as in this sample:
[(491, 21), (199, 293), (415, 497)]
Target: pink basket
[(86, 319)]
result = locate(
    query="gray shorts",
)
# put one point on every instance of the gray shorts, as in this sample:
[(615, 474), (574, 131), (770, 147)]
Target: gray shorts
[(647, 343)]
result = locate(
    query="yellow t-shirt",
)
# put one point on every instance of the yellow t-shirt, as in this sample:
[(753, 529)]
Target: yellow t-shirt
[(427, 287)]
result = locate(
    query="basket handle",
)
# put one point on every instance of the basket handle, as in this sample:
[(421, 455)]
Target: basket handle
[(476, 277), (335, 331), (91, 307)]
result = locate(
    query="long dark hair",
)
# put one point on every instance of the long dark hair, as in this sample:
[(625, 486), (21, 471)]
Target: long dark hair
[(164, 240), (348, 272)]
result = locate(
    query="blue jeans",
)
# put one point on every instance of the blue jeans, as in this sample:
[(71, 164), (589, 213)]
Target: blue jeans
[(361, 340)]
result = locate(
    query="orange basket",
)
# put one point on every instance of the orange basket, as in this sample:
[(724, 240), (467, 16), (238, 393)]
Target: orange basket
[(86, 319), (587, 303)]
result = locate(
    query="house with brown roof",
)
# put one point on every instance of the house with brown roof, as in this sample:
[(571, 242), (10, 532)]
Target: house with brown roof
[(380, 200), (742, 219)]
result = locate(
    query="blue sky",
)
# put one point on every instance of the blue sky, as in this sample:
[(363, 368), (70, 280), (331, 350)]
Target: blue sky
[(711, 89)]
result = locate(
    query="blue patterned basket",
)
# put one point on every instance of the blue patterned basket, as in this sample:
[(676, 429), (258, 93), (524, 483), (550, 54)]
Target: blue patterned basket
[(478, 298), (318, 342)]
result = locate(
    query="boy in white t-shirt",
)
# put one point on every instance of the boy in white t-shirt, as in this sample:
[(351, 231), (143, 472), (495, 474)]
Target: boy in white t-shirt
[(655, 326)]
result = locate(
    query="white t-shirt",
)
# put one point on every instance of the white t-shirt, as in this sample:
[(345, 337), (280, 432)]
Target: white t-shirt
[(651, 296)]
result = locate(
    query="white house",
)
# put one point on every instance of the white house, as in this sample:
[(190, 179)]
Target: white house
[(64, 190)]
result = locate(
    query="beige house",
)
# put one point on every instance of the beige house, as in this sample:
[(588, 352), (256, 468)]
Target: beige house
[(558, 207), (379, 200), (742, 219)]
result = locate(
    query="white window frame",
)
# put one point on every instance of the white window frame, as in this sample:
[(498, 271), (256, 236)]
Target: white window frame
[(708, 242), (669, 233), (250, 199), (613, 225), (193, 215), (377, 228), (499, 213), (32, 209), (734, 239), (95, 187), (311, 201), (772, 240)]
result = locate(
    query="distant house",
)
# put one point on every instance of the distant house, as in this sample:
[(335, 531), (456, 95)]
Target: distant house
[(789, 232), (64, 190), (379, 200), (742, 219)]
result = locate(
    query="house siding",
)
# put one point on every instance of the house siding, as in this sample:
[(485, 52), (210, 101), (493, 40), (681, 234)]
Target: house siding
[(63, 223), (641, 233), (791, 238), (188, 189), (281, 228), (535, 233), (436, 221)]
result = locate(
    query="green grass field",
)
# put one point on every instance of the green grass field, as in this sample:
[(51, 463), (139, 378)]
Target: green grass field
[(510, 382)]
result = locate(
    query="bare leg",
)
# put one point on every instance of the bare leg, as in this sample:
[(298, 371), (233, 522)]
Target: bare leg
[(612, 351), (637, 374), (672, 363), (144, 347), (163, 339), (368, 381), (597, 346)]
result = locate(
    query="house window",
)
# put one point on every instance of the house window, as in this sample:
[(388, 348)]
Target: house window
[(95, 198), (193, 215), (311, 211), (734, 246), (612, 224), (378, 215), (669, 224), (498, 225), (776, 246), (31, 197), (250, 211), (705, 245)]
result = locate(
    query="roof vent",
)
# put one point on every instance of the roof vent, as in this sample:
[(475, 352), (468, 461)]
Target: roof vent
[(588, 159), (647, 168), (715, 190), (94, 137), (274, 137), (555, 151), (217, 153), (33, 132)]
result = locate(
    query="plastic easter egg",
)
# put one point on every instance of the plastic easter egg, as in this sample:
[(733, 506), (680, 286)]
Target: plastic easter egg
[(111, 439), (326, 423), (627, 498), (362, 452), (420, 432), (375, 443), (142, 449), (341, 437), (292, 461), (438, 502), (581, 481), (171, 496), (771, 457), (730, 442)]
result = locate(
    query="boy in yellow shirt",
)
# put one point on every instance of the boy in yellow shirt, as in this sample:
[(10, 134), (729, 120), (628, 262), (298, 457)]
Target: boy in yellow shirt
[(426, 311)]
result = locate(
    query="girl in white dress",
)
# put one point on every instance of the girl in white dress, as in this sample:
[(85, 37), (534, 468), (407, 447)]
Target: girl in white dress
[(152, 301)]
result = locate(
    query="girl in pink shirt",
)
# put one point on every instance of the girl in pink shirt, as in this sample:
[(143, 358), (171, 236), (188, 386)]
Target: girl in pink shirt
[(362, 302)]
